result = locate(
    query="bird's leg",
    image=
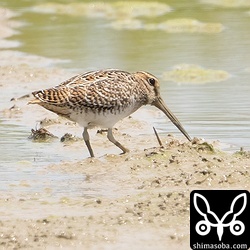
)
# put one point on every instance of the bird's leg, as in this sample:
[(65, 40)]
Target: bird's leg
[(85, 135), (118, 144)]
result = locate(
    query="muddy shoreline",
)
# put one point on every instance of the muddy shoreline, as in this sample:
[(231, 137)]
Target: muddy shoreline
[(140, 199)]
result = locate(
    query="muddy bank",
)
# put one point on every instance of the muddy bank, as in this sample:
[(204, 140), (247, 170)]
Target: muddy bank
[(140, 199)]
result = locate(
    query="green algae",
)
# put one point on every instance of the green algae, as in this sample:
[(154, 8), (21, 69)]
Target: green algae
[(188, 73), (135, 9), (128, 15), (228, 3), (177, 25), (116, 10), (127, 24), (189, 25)]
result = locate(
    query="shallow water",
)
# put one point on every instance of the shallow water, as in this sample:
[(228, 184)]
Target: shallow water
[(214, 111)]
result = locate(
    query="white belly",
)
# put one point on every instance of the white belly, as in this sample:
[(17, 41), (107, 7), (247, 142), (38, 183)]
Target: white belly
[(105, 119)]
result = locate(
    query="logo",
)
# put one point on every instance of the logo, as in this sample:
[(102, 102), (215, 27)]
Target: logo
[(219, 219), (203, 227)]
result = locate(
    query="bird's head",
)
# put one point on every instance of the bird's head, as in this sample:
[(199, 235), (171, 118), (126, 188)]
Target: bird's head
[(152, 86)]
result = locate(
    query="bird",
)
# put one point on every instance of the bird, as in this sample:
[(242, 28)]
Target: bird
[(101, 98)]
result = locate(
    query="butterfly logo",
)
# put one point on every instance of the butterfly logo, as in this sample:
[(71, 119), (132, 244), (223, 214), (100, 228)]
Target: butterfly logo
[(203, 227)]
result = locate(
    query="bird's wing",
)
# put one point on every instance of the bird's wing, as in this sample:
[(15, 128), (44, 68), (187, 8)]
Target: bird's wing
[(102, 89), (96, 89), (93, 77)]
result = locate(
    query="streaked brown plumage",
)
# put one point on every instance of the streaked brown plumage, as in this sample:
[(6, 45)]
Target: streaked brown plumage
[(102, 98)]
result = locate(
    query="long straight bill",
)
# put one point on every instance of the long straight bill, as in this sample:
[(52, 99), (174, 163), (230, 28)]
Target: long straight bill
[(159, 103)]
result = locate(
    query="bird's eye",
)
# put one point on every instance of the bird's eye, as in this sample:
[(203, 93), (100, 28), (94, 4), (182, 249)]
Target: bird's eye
[(151, 81)]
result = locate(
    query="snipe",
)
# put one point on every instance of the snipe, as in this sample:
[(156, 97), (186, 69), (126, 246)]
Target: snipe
[(102, 98)]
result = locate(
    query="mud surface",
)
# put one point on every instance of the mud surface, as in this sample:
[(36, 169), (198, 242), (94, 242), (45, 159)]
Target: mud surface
[(140, 199)]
